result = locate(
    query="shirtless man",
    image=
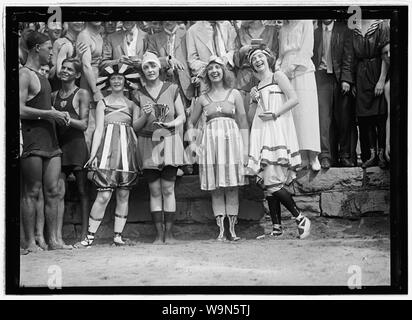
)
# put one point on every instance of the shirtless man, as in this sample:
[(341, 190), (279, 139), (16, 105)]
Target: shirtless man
[(40, 160), (75, 101)]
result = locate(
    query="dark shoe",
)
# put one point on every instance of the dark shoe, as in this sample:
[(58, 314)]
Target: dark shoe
[(372, 161), (325, 163), (381, 159), (345, 162)]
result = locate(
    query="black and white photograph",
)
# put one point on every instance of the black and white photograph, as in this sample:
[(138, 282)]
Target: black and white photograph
[(204, 152)]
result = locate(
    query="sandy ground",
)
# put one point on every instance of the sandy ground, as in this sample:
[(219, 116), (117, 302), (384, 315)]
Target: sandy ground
[(325, 258)]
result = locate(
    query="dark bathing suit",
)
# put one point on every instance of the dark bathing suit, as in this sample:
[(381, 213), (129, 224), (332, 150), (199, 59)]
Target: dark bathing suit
[(71, 140), (39, 135)]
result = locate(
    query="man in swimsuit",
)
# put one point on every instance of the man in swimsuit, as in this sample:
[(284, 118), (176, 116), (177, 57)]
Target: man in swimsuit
[(40, 160)]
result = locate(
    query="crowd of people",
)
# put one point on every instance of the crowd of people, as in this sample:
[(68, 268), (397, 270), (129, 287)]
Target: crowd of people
[(235, 102)]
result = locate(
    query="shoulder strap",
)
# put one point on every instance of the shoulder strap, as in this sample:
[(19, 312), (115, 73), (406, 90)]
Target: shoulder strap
[(55, 97), (228, 94), (75, 91), (208, 97)]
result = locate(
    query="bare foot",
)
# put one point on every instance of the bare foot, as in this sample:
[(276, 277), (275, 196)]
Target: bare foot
[(23, 252), (59, 246), (169, 239), (158, 241), (34, 248), (41, 243)]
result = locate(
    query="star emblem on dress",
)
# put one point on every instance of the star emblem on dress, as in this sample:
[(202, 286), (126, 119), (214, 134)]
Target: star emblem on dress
[(63, 104), (219, 108)]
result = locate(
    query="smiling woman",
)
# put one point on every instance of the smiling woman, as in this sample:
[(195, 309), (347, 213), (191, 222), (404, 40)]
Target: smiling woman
[(224, 149), (159, 126), (113, 157)]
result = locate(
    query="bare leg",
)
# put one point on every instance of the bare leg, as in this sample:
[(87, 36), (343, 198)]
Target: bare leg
[(81, 181), (95, 218), (98, 210), (32, 169), (40, 222), (156, 209), (51, 173), (169, 209), (61, 189)]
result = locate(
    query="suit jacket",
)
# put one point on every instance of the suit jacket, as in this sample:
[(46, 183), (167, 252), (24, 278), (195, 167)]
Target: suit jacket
[(157, 43), (199, 41), (341, 50), (115, 46)]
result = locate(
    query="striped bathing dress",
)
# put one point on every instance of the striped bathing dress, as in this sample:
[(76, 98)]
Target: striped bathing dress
[(221, 149), (274, 149), (117, 165)]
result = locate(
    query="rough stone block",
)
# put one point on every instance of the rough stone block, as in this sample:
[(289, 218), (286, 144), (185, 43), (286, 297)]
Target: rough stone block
[(309, 205), (354, 204), (200, 210), (188, 187), (139, 210), (251, 210), (375, 177), (69, 231), (332, 179), (72, 212)]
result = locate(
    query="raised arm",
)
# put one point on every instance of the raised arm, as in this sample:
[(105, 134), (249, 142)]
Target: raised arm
[(88, 70), (63, 54)]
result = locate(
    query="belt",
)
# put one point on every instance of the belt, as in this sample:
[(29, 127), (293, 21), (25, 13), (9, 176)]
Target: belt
[(219, 115)]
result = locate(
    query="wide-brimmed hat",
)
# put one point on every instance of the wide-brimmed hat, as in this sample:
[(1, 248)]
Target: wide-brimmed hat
[(130, 75)]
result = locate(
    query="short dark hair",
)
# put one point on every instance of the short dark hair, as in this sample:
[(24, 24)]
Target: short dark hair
[(76, 64), (34, 38), (227, 78)]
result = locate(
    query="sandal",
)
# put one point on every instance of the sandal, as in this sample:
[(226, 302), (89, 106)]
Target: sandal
[(277, 231), (119, 241), (85, 243)]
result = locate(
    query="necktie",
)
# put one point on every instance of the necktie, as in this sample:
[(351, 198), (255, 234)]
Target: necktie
[(328, 50)]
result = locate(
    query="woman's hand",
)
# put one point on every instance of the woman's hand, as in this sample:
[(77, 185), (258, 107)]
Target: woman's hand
[(379, 87), (147, 109), (97, 96), (92, 162), (254, 94), (290, 71), (61, 118), (165, 124), (267, 116), (245, 159)]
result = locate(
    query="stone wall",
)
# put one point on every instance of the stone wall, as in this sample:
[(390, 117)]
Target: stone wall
[(337, 192)]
